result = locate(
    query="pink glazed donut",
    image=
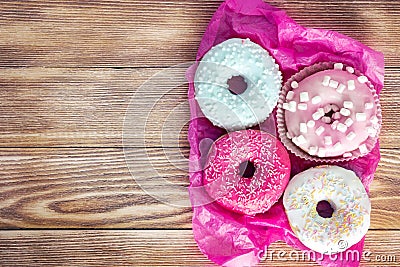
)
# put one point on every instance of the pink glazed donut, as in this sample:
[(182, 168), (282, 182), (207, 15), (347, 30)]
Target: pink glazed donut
[(332, 113), (247, 171)]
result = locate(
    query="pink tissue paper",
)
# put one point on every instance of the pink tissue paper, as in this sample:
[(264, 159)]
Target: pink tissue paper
[(232, 239)]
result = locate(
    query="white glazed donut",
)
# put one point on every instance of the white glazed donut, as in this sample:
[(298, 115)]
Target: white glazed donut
[(237, 84), (314, 195)]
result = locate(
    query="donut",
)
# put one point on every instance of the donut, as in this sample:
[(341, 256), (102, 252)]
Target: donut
[(328, 208), (247, 171), (331, 113), (237, 84)]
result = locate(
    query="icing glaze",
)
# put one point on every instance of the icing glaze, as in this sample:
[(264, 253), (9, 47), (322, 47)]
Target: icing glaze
[(342, 106), (347, 197), (225, 183), (262, 81)]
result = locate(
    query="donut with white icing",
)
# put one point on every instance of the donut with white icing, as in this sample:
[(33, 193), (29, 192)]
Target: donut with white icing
[(328, 208), (331, 113), (237, 84), (247, 171)]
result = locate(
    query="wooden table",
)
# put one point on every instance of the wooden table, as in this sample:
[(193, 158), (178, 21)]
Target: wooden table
[(68, 72)]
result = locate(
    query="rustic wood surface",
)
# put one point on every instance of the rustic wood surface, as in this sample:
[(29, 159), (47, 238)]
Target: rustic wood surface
[(69, 70)]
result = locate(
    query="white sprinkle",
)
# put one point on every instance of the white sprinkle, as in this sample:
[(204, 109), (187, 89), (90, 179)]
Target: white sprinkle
[(337, 146), (348, 122), (326, 80), (341, 88), (303, 127), (334, 125), (285, 106), (326, 119), (294, 85), (362, 79), (288, 135), (316, 99), (313, 150), (345, 112), (351, 85), (348, 104), (341, 127), (328, 140), (371, 131), (363, 149), (338, 66), (347, 155), (310, 124), (300, 140), (302, 106), (290, 95), (292, 106), (320, 130), (336, 116), (333, 83), (374, 119), (351, 136), (318, 114), (350, 69), (369, 105), (361, 116), (321, 152), (304, 97)]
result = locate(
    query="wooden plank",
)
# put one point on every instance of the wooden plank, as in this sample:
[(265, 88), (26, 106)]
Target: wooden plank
[(158, 33), (154, 248), (92, 188), (87, 107)]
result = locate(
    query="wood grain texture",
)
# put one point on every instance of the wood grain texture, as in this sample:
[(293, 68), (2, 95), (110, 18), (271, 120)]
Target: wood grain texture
[(152, 248), (158, 33), (42, 107), (92, 188)]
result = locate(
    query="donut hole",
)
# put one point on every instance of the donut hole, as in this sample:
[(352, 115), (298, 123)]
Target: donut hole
[(329, 116), (247, 169), (324, 209), (237, 85)]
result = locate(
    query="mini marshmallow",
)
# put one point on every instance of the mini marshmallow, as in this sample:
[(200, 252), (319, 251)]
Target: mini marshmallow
[(361, 116), (304, 97), (351, 136), (310, 124), (362, 79), (316, 99), (374, 119), (285, 106), (345, 112), (292, 106), (350, 69), (318, 114), (369, 105), (341, 127), (321, 152), (301, 140), (333, 83), (351, 85), (336, 116), (334, 107), (341, 88), (334, 125), (320, 130), (294, 85), (338, 66), (328, 140), (363, 149), (347, 155), (326, 80), (302, 106), (313, 150), (303, 127), (348, 104), (290, 95), (327, 109), (348, 122), (326, 120), (337, 146)]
